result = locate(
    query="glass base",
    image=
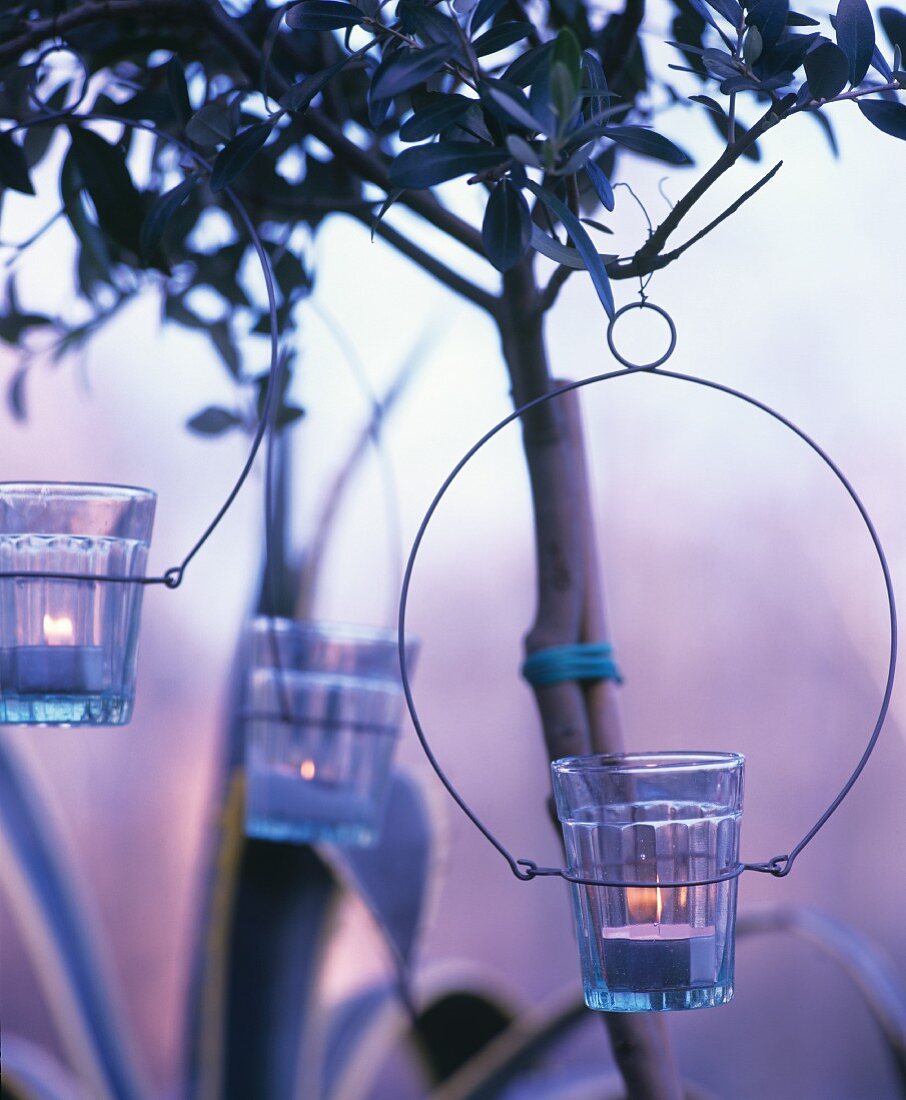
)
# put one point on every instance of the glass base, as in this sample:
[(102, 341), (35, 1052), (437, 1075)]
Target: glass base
[(667, 1000), (102, 709), (307, 832)]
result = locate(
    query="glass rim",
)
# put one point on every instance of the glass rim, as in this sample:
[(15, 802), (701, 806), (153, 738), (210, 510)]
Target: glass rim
[(326, 629), (295, 678), (96, 489), (640, 763)]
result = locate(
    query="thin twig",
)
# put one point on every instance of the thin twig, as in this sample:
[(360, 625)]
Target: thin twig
[(858, 93), (669, 257), (648, 258)]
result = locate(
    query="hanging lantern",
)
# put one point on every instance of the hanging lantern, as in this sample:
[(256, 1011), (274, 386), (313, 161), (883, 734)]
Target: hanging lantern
[(652, 840), (322, 715), (68, 639), (643, 821)]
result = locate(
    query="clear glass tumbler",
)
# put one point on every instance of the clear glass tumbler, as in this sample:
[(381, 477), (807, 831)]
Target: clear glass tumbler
[(319, 749), (641, 820), (68, 647), (341, 648)]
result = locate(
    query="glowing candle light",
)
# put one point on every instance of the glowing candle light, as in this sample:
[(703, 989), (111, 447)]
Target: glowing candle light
[(58, 667), (58, 631), (640, 822)]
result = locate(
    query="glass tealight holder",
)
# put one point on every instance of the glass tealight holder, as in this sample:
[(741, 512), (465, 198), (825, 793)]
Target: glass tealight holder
[(318, 751), (310, 646), (641, 820), (68, 646)]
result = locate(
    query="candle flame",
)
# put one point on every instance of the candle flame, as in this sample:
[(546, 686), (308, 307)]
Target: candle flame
[(644, 905), (307, 769), (58, 631)]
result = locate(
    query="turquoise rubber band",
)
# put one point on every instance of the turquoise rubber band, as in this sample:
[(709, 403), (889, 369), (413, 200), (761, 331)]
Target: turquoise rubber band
[(581, 661)]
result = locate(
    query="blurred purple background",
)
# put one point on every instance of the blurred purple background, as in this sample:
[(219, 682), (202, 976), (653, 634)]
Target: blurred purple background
[(746, 607)]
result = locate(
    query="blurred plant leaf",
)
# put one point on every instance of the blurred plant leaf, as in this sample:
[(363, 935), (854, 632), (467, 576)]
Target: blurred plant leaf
[(484, 11), (583, 243), (827, 70), (236, 154), (770, 17), (214, 421), (894, 24), (370, 1022), (53, 919), (888, 117), (871, 972), (104, 175), (396, 877), (178, 90), (323, 15), (430, 118), (212, 124), (827, 129), (561, 253), (649, 143), (160, 213), (409, 68), (300, 96), (30, 1072), (14, 166), (15, 394), (458, 1025), (507, 227), (428, 165), (221, 335), (527, 1041), (855, 37), (601, 184), (500, 36), (284, 902)]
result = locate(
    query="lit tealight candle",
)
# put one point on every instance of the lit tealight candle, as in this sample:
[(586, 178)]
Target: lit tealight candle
[(59, 667), (647, 955)]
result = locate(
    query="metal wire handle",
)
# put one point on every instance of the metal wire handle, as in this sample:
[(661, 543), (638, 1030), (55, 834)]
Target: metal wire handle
[(172, 578), (526, 869)]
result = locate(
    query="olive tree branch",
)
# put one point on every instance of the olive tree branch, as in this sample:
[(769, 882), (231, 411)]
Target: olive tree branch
[(669, 257), (649, 257), (366, 164), (550, 293), (856, 93)]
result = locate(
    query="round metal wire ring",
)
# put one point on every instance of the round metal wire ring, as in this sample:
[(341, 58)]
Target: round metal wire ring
[(620, 358), (43, 104), (526, 870)]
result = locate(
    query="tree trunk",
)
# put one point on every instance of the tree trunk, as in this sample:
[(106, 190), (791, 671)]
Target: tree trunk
[(575, 720)]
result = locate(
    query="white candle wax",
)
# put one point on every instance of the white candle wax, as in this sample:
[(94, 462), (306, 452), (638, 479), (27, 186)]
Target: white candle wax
[(645, 957), (283, 795), (52, 670)]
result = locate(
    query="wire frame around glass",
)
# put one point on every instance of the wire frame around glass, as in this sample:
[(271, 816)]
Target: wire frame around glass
[(527, 869)]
